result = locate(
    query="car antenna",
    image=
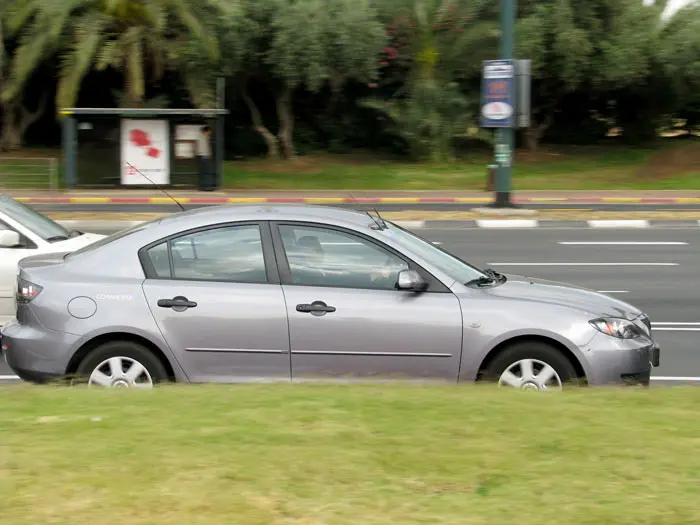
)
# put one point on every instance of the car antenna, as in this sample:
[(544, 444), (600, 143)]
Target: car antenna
[(156, 185), (374, 219), (380, 217)]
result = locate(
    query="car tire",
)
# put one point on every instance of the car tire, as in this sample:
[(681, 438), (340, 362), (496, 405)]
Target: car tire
[(129, 354), (539, 355)]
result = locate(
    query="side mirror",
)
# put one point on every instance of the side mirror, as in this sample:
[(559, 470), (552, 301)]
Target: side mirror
[(412, 281), (9, 239)]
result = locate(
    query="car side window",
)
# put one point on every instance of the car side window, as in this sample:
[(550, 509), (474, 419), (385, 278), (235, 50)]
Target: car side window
[(159, 257), (232, 254), (320, 256)]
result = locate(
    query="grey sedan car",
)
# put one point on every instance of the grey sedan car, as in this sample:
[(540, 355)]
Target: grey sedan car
[(298, 293)]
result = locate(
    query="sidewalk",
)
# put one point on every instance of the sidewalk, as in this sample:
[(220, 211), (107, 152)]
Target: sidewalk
[(155, 196)]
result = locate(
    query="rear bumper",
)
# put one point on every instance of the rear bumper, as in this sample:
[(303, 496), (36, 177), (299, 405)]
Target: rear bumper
[(35, 377), (36, 355)]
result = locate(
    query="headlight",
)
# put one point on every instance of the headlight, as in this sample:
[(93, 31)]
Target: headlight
[(617, 327)]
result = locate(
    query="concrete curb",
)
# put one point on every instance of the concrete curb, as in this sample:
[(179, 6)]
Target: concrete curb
[(349, 200), (452, 224)]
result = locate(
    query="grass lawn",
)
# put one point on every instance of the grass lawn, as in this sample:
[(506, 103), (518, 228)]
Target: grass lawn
[(338, 454), (674, 164)]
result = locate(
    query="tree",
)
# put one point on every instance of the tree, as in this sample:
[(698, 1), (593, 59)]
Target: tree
[(137, 37), (597, 47), (679, 52), (283, 45), (436, 47), (16, 118)]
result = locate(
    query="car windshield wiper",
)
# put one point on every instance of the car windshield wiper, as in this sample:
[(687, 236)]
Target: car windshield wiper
[(480, 281), (493, 278), (75, 233), (57, 238), (496, 275)]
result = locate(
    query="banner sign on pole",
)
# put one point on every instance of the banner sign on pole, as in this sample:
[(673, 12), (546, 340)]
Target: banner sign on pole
[(498, 94), (145, 145), (524, 85)]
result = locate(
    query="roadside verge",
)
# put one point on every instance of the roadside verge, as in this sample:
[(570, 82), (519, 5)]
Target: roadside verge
[(349, 454)]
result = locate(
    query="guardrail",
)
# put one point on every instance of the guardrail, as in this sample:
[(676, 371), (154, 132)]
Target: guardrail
[(29, 172)]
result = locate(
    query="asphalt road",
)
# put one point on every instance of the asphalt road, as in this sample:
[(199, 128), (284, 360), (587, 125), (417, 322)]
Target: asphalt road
[(654, 269), (169, 208)]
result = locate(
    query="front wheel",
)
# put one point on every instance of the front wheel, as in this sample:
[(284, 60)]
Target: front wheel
[(532, 366), (122, 364)]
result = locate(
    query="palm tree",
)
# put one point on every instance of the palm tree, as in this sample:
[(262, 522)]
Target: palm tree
[(444, 44), (139, 38)]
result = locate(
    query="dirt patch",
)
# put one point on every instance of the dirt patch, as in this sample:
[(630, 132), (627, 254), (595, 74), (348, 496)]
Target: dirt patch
[(671, 162), (300, 165), (310, 164), (31, 153), (541, 156)]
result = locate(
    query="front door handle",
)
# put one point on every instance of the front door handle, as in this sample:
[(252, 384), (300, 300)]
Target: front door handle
[(179, 303), (315, 308)]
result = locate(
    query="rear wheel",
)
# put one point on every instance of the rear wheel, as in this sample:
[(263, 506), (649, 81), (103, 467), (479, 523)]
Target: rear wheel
[(532, 365), (122, 364)]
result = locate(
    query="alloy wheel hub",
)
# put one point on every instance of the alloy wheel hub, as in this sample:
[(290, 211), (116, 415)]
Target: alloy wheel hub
[(531, 374)]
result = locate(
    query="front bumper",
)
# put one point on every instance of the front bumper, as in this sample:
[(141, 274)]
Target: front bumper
[(616, 361)]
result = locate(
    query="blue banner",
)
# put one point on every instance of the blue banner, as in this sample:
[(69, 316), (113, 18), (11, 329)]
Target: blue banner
[(498, 94)]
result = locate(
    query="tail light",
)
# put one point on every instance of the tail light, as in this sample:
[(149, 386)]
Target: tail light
[(26, 291)]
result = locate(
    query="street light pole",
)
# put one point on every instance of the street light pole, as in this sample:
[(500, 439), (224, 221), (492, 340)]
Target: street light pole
[(505, 136)]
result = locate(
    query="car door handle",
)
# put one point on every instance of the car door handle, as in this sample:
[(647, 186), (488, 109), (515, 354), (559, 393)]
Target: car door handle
[(179, 303), (316, 308)]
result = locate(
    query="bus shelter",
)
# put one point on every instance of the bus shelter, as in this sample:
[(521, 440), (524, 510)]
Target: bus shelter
[(139, 147)]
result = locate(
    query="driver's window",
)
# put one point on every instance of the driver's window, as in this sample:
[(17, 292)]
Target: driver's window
[(325, 257), (24, 241)]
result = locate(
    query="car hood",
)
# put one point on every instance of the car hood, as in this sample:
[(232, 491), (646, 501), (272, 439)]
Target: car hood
[(563, 294)]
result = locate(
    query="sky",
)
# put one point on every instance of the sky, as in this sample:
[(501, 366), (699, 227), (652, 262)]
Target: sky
[(672, 7)]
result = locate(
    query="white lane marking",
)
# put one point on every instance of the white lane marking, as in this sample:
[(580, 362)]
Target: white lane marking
[(673, 323), (507, 223), (437, 242), (613, 291), (672, 326), (667, 329), (623, 243), (628, 223), (674, 378), (410, 224), (580, 264)]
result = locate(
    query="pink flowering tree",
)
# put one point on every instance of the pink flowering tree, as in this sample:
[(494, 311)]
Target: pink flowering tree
[(434, 47)]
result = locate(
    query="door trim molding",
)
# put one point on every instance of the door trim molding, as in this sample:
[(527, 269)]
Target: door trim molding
[(237, 350), (371, 354)]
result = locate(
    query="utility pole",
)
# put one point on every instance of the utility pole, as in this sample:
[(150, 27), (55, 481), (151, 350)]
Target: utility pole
[(505, 135)]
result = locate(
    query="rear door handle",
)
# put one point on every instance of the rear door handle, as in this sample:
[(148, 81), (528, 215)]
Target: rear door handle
[(315, 308), (179, 303)]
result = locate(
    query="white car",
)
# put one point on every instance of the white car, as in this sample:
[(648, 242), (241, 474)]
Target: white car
[(25, 232)]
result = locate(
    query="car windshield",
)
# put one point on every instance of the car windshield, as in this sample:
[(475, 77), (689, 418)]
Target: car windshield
[(453, 266), (39, 224)]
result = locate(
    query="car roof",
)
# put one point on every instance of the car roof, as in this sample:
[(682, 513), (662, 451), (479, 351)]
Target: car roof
[(288, 212)]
